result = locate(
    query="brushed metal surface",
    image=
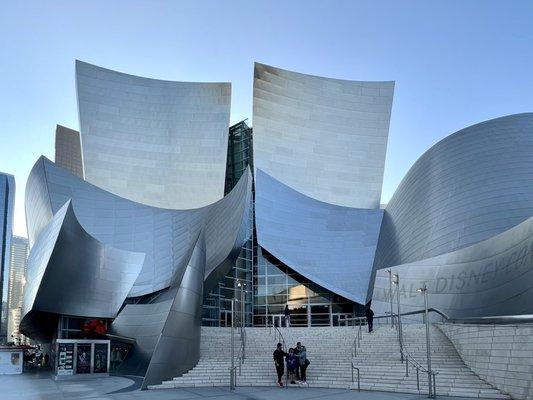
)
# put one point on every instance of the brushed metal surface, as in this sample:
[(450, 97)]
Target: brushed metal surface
[(489, 278), (156, 142), (323, 137), (330, 245)]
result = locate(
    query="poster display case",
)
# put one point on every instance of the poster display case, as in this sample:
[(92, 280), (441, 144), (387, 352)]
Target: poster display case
[(81, 357), (11, 360)]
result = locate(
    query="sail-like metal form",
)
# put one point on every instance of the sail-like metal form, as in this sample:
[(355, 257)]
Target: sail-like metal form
[(71, 273), (330, 245), (472, 185), (460, 222), (323, 137), (492, 277), (163, 235), (156, 142)]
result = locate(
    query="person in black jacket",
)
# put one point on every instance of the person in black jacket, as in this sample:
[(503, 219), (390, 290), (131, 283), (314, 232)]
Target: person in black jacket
[(278, 356), (369, 314)]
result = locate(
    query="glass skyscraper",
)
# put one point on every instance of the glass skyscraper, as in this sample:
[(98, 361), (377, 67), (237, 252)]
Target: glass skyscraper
[(17, 271), (7, 197)]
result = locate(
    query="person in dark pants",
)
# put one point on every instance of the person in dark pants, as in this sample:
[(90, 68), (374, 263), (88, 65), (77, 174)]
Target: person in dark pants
[(297, 350), (287, 313), (278, 356), (304, 362), (369, 314)]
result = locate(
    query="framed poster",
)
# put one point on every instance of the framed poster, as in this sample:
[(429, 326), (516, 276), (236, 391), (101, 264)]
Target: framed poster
[(100, 357), (83, 358), (65, 358)]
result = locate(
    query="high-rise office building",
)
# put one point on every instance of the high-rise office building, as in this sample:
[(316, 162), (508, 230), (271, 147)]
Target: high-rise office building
[(17, 280), (7, 197)]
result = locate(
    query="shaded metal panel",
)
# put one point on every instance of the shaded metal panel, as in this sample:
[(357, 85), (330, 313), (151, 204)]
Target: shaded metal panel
[(330, 245), (71, 273), (470, 186), (156, 142), (182, 330), (164, 236), (325, 138), (68, 150), (492, 277)]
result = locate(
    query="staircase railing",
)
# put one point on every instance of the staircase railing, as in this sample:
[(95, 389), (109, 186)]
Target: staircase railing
[(360, 321)]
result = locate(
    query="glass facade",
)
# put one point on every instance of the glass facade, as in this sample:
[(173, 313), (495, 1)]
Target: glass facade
[(7, 197), (276, 285), (269, 284), (237, 284)]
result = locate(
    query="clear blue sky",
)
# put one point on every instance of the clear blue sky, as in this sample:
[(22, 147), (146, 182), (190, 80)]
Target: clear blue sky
[(455, 63)]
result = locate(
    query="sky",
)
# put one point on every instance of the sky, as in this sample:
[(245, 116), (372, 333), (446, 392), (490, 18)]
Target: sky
[(455, 63)]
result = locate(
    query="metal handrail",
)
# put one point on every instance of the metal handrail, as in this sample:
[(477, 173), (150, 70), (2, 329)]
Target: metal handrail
[(358, 377), (281, 338), (243, 346), (493, 319), (419, 367)]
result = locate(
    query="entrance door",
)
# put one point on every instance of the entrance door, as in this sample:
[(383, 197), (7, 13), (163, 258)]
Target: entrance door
[(225, 318), (276, 320)]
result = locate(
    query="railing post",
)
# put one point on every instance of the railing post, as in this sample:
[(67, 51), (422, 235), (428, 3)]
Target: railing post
[(406, 367), (232, 370), (400, 333), (417, 380), (428, 340), (390, 298)]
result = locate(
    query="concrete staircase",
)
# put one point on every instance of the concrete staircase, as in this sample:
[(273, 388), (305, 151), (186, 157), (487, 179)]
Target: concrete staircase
[(330, 351)]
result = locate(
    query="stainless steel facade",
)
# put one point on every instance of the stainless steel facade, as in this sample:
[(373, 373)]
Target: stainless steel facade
[(7, 199), (460, 221), (155, 142), (492, 277), (72, 273), (168, 329), (162, 235), (323, 137), (70, 218), (330, 245), (151, 230), (470, 186)]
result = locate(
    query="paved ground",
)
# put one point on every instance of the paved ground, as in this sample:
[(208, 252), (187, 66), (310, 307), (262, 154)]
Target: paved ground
[(40, 386)]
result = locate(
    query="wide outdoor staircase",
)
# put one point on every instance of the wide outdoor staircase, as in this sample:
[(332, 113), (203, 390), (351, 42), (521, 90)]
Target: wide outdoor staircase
[(329, 350)]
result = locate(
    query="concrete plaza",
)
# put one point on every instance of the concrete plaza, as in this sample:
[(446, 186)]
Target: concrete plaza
[(41, 386)]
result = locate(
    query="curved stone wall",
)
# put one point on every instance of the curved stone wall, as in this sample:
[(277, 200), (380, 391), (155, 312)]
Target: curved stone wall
[(330, 245), (155, 142), (325, 138), (470, 186), (163, 235)]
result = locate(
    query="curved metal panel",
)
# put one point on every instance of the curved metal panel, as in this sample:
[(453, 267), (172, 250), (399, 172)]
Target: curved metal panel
[(325, 138), (155, 142), (470, 186), (164, 236), (182, 331), (331, 245), (71, 273), (492, 277), (166, 329)]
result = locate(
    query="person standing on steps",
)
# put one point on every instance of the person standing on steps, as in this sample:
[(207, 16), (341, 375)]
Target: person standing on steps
[(304, 362), (279, 362), (297, 350), (287, 313), (369, 314), (292, 365)]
